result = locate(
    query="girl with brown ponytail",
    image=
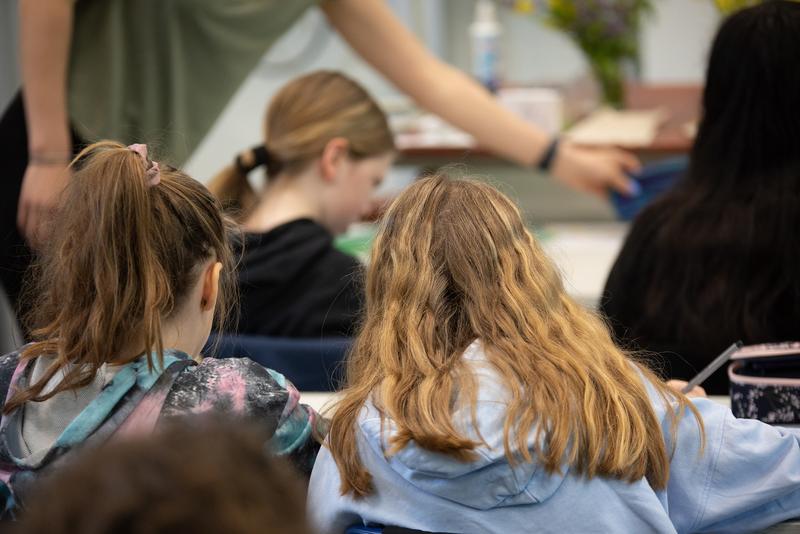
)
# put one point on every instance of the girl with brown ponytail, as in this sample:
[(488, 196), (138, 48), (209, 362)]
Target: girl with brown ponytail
[(327, 146), (138, 268)]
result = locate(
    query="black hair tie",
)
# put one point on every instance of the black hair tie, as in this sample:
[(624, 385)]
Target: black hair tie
[(261, 156)]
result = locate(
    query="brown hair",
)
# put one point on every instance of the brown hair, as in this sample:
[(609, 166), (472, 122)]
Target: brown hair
[(187, 477), (452, 263), (302, 118), (121, 257)]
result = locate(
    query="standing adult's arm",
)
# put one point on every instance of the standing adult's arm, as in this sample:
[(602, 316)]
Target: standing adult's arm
[(45, 36), (373, 31)]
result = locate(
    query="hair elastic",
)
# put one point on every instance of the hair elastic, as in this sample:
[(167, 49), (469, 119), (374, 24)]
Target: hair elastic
[(260, 156), (153, 172)]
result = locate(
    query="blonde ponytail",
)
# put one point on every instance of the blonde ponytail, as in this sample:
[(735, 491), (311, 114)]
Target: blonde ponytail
[(231, 186), (302, 118)]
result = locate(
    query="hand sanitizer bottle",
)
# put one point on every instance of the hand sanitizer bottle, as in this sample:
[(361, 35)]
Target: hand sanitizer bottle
[(485, 36)]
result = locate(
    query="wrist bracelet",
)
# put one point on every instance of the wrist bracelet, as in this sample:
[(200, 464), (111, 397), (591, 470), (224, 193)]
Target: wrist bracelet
[(48, 159), (549, 155)]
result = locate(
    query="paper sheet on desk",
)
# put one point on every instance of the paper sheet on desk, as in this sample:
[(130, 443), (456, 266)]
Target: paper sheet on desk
[(612, 127), (429, 131)]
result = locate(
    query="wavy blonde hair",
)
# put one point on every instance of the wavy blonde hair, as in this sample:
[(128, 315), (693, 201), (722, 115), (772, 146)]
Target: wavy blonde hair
[(453, 262)]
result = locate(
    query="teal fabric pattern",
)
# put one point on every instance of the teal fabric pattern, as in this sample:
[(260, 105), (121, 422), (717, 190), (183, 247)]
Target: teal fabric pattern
[(138, 373), (235, 388)]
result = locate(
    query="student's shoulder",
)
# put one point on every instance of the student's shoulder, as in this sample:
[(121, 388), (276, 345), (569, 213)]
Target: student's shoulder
[(346, 261), (232, 373), (246, 369), (237, 385), (333, 264), (655, 218), (641, 241)]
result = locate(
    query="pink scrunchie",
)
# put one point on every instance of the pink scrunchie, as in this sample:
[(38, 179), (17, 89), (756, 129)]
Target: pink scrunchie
[(153, 172)]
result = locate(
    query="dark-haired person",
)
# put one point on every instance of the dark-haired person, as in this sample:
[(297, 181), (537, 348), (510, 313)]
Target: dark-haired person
[(718, 258), (135, 69), (199, 476)]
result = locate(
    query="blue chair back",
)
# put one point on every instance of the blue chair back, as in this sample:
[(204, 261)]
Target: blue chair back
[(361, 529), (654, 180), (310, 364)]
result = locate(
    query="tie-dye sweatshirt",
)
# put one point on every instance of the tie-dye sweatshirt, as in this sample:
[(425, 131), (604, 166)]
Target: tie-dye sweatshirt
[(232, 387)]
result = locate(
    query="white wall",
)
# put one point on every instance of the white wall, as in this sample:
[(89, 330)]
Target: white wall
[(240, 124), (674, 43)]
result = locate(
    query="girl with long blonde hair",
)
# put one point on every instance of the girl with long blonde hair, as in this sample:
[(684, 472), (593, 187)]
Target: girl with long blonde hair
[(327, 146), (481, 398)]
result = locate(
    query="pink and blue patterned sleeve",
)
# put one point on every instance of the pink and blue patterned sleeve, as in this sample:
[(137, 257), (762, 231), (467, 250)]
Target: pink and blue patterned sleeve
[(239, 386)]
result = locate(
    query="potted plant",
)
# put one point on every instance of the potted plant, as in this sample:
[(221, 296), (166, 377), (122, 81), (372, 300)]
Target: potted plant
[(606, 31)]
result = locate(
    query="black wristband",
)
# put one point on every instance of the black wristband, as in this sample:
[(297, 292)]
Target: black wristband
[(549, 155)]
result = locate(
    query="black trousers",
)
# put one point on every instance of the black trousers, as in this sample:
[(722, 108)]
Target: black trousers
[(15, 255)]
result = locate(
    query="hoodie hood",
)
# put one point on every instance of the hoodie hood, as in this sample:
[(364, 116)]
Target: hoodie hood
[(485, 483), (283, 254), (294, 283)]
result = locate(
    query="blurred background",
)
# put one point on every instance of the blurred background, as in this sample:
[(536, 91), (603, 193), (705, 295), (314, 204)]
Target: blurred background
[(672, 45)]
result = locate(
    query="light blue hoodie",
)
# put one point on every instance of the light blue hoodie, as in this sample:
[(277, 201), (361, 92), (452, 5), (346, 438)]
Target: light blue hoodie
[(748, 478)]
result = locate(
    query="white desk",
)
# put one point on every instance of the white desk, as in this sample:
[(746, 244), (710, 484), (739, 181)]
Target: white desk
[(319, 400)]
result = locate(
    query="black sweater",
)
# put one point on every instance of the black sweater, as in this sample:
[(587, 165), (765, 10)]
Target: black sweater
[(294, 283)]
